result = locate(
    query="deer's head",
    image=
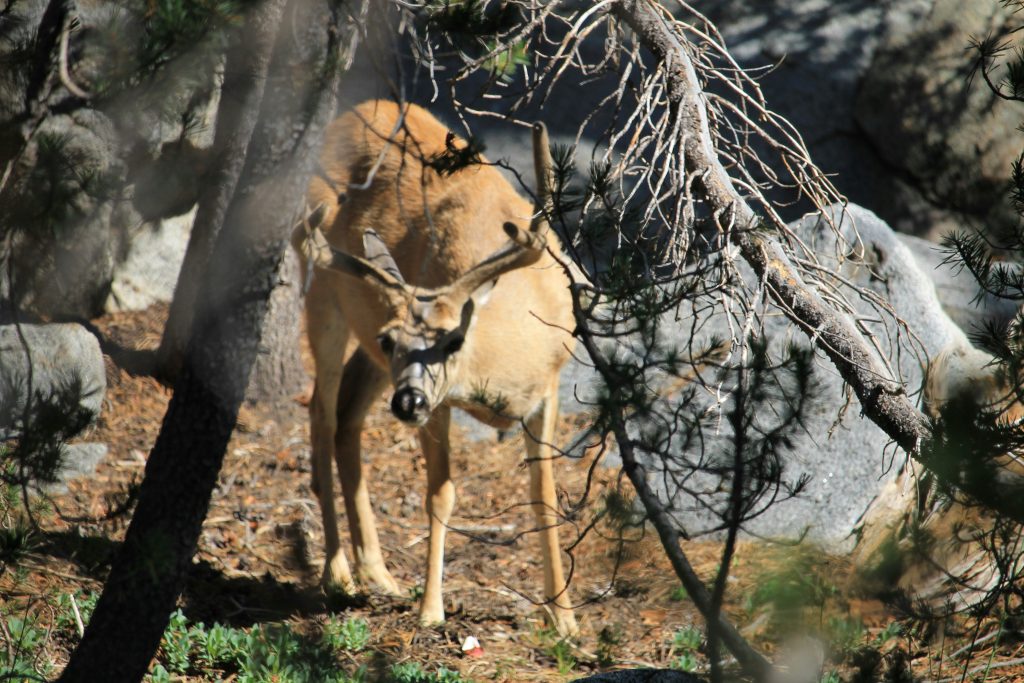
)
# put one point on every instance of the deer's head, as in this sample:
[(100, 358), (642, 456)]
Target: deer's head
[(428, 330)]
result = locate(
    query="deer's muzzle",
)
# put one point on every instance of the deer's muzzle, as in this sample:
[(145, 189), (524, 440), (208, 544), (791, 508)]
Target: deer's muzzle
[(410, 405)]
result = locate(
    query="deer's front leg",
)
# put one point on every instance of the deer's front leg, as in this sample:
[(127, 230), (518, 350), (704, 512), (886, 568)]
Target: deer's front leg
[(540, 428), (336, 575), (439, 504), (328, 339), (361, 383)]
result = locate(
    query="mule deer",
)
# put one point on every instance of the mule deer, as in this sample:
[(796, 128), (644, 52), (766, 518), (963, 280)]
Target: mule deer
[(434, 280)]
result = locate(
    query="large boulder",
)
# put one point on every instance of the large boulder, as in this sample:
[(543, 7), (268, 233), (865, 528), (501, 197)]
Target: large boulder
[(69, 231), (846, 457), (69, 200), (881, 95), (931, 121), (56, 365)]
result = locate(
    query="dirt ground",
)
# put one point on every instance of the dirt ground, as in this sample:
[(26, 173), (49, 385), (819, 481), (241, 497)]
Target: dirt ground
[(261, 548)]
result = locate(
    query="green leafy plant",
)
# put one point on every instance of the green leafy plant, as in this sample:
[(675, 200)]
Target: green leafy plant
[(413, 672), (158, 674), (177, 643), (65, 619), (350, 635), (794, 586), (685, 647), (892, 631), (559, 649), (22, 649), (504, 63), (845, 633), (266, 652)]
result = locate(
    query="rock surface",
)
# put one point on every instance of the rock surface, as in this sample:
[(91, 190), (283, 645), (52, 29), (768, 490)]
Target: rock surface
[(880, 94), (846, 457), (929, 119), (77, 460), (69, 200), (957, 290), (59, 363), (149, 271), (68, 232)]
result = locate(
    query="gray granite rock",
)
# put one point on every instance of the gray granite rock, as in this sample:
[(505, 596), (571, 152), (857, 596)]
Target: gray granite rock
[(78, 169), (929, 120), (957, 289), (76, 461), (57, 363), (149, 271), (879, 93), (845, 456)]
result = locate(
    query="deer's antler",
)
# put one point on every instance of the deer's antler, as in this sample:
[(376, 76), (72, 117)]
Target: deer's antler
[(327, 257), (525, 246)]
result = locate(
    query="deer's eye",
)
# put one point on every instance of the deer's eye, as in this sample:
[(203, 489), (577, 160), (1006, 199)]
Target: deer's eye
[(453, 345), (387, 344)]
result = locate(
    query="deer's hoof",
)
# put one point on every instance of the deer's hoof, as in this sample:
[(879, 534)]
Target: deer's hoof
[(337, 579), (565, 624), (378, 576), (430, 617)]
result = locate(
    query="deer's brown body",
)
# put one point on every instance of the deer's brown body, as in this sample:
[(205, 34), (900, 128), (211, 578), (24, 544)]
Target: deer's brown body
[(422, 304)]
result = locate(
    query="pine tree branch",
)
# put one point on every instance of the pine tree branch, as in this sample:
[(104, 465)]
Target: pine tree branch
[(754, 664), (883, 399)]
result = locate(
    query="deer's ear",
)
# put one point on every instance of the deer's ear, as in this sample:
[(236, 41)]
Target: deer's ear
[(377, 253)]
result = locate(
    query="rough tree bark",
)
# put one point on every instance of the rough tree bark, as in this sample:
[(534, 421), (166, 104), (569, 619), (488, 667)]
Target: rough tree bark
[(278, 373), (150, 567)]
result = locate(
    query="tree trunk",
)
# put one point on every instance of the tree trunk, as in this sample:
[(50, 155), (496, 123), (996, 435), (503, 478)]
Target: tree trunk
[(149, 570), (278, 373)]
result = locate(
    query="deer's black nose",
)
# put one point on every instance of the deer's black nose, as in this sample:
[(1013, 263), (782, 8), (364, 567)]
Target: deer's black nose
[(409, 405)]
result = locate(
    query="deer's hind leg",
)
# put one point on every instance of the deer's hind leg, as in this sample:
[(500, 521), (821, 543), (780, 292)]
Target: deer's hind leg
[(361, 383), (540, 430)]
